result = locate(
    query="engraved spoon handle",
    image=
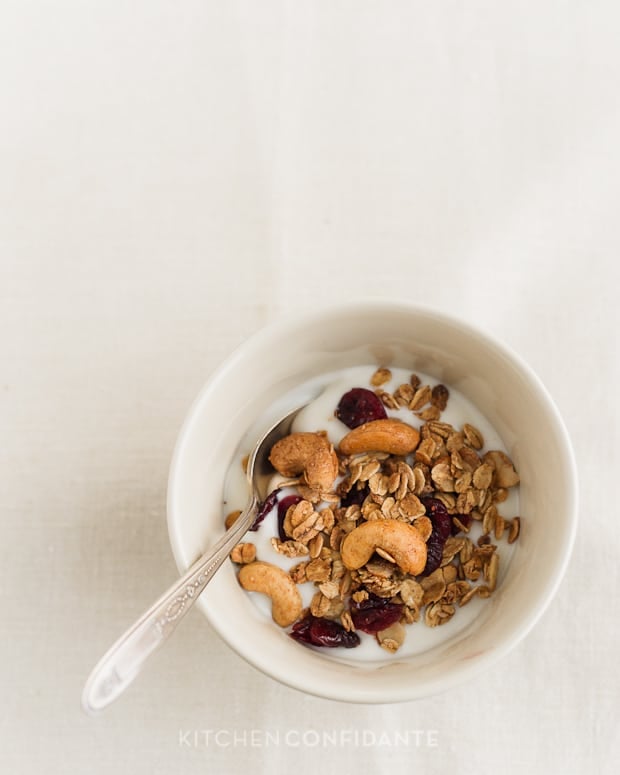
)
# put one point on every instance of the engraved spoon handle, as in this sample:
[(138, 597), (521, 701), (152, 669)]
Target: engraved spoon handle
[(124, 660)]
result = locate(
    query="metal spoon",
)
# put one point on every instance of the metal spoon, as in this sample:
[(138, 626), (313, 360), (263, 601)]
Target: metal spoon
[(124, 660)]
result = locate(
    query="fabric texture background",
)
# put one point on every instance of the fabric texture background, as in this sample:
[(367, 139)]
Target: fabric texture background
[(175, 175)]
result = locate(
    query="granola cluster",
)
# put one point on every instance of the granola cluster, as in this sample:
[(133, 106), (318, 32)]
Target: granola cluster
[(441, 489)]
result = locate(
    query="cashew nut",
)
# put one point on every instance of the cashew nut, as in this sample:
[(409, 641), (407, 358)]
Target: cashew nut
[(232, 518), (399, 539), (387, 435), (424, 527), (309, 454), (272, 581), (243, 554)]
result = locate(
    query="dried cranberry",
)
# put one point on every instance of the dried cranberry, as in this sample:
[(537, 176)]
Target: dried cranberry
[(301, 629), (283, 506), (464, 519), (439, 397), (443, 524), (434, 553), (433, 506), (355, 497), (325, 632), (360, 406), (375, 614), (317, 631), (265, 507), (442, 528), (438, 514)]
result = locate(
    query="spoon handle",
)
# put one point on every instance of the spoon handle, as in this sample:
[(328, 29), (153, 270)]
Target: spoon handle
[(124, 660)]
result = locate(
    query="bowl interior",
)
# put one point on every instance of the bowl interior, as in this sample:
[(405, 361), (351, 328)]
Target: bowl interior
[(252, 382)]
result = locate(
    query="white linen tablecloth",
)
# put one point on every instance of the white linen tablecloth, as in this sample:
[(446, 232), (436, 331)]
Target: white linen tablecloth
[(173, 176)]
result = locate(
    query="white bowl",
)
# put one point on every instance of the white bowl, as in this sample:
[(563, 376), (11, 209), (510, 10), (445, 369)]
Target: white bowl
[(296, 349)]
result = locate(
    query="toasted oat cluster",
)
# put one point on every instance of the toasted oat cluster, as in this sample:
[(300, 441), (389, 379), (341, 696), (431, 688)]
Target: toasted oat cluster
[(381, 524)]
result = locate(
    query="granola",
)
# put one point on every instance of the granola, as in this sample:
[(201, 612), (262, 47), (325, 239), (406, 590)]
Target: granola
[(435, 480)]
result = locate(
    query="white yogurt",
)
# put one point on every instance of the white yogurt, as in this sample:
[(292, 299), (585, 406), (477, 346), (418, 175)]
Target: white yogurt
[(319, 415)]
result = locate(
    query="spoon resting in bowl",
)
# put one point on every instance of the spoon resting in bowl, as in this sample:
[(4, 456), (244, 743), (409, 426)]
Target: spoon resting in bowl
[(123, 661)]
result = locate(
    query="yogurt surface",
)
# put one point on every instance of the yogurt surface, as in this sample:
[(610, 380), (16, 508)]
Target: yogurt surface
[(323, 394)]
